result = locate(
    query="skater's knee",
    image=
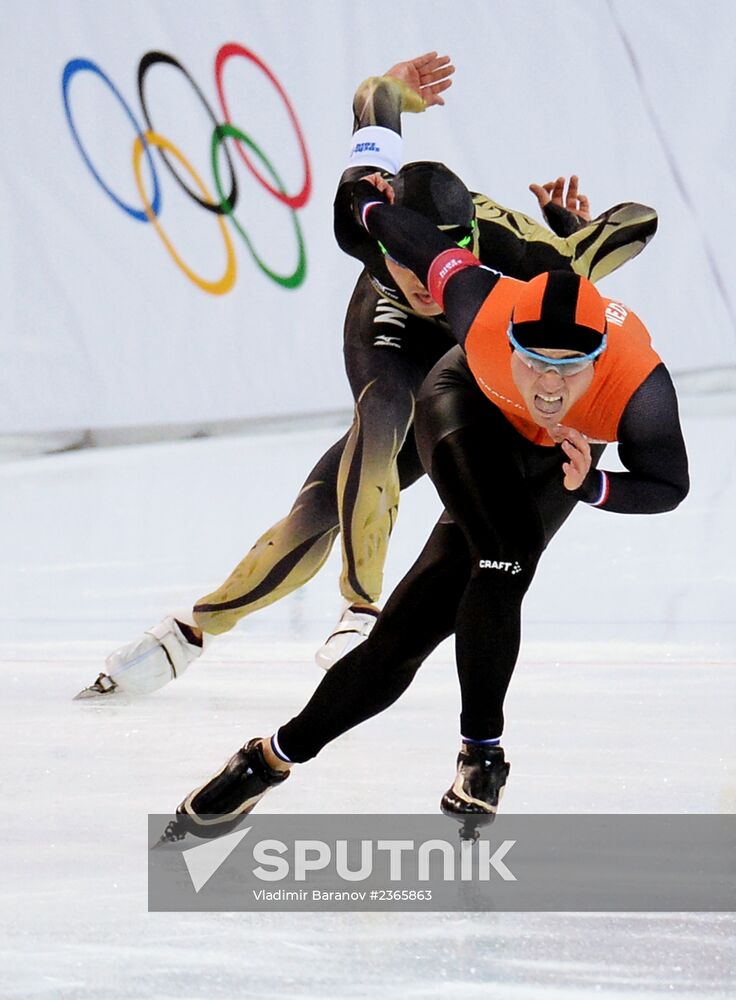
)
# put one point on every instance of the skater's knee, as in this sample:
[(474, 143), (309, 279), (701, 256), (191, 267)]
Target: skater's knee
[(393, 672), (396, 647), (385, 405)]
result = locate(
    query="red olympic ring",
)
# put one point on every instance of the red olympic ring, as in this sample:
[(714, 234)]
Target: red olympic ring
[(233, 49)]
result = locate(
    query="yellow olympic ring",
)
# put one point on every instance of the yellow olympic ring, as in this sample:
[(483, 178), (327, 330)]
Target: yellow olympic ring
[(226, 282)]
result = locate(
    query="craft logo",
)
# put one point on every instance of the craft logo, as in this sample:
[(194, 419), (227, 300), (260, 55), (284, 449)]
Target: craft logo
[(506, 567), (223, 203)]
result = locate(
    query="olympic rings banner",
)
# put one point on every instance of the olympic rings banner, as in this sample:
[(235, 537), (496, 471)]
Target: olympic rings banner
[(168, 169), (169, 256), (221, 205)]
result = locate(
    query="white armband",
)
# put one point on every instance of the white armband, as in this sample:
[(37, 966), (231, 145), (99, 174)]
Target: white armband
[(376, 146)]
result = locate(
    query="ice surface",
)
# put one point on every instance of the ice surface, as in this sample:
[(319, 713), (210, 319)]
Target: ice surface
[(622, 702)]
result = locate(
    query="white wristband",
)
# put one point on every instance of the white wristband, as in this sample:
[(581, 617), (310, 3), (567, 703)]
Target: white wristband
[(376, 146)]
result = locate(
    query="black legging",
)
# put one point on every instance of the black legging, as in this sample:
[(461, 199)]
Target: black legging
[(504, 501)]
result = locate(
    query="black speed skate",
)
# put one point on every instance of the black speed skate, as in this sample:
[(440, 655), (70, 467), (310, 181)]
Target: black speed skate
[(481, 776), (218, 806)]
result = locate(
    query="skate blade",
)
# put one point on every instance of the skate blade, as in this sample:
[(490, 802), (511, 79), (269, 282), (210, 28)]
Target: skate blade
[(163, 841), (89, 693), (174, 833), (184, 827), (470, 824), (96, 691)]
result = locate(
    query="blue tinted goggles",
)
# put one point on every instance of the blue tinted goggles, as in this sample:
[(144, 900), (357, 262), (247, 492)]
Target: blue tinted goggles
[(540, 363)]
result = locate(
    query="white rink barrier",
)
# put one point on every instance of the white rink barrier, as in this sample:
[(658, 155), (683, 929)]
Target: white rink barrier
[(128, 303)]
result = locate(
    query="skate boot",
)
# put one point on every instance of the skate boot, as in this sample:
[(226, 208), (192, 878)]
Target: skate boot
[(481, 776), (219, 805), (353, 628), (162, 654)]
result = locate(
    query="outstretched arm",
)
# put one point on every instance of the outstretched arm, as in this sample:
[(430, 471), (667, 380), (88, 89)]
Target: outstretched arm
[(599, 245), (410, 86), (413, 85), (651, 448), (521, 246)]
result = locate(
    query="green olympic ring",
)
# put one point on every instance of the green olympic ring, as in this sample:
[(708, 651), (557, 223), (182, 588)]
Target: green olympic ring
[(220, 133)]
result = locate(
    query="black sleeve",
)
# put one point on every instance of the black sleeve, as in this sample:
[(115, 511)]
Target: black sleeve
[(411, 239), (414, 242), (351, 237), (652, 448)]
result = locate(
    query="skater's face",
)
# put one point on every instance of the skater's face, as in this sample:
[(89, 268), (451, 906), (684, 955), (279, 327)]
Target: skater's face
[(549, 395), (414, 291)]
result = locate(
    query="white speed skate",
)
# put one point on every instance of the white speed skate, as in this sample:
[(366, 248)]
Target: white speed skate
[(161, 655), (354, 627)]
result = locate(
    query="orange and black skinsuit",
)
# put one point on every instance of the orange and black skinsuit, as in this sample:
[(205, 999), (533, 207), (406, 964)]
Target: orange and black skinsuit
[(354, 488), (500, 478)]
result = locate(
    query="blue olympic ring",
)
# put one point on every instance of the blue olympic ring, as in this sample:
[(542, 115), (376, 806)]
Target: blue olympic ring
[(75, 66)]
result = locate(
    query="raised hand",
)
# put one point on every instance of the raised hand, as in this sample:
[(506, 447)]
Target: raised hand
[(554, 191), (429, 75)]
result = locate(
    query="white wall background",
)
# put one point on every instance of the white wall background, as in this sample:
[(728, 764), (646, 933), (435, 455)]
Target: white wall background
[(100, 329)]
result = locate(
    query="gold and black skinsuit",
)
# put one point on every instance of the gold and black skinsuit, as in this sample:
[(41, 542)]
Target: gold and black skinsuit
[(353, 490)]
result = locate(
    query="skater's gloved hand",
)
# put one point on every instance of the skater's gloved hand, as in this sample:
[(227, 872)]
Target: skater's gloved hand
[(552, 195), (428, 76), (575, 446)]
